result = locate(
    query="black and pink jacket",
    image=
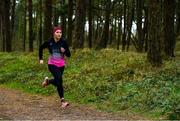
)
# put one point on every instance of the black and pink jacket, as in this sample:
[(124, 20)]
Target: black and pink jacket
[(56, 56)]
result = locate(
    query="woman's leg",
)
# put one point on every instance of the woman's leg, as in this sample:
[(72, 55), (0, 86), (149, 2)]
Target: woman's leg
[(60, 87), (57, 72)]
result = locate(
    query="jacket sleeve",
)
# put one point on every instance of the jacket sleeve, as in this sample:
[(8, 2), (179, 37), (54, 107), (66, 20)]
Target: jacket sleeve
[(43, 46), (67, 51)]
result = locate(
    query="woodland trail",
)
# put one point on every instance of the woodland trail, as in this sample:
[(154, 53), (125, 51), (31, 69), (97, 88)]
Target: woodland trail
[(17, 105)]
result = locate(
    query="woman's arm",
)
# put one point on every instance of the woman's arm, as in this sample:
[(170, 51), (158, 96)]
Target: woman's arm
[(43, 46), (67, 51)]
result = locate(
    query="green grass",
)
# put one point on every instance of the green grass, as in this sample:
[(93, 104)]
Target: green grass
[(108, 79)]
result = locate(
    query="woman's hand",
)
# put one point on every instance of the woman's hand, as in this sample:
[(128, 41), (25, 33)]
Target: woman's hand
[(41, 61), (62, 50)]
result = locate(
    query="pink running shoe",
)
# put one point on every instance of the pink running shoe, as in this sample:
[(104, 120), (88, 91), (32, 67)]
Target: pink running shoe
[(64, 104)]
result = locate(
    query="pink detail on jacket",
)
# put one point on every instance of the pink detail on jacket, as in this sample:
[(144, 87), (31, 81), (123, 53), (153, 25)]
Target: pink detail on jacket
[(59, 62)]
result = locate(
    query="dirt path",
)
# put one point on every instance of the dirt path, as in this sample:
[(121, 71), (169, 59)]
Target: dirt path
[(17, 105)]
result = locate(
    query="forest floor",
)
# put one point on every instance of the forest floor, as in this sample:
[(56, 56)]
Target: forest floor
[(17, 105)]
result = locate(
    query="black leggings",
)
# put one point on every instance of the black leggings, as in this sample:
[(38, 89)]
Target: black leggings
[(57, 72)]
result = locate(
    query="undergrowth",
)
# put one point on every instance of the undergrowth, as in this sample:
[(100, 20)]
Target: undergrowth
[(107, 79)]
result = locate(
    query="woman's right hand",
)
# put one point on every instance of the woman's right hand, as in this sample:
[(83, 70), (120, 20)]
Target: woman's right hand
[(41, 61)]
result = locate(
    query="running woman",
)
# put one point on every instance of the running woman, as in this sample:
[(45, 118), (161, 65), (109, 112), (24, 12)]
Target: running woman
[(58, 49)]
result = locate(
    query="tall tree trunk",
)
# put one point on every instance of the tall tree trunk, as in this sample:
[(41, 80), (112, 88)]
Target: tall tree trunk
[(105, 35), (47, 19), (30, 26), (1, 20), (145, 29), (70, 22), (96, 27), (178, 19), (12, 18), (55, 15), (140, 42), (3, 27), (40, 23), (124, 30), (130, 21), (97, 30), (8, 26), (169, 35), (114, 35), (63, 20), (25, 24), (154, 49), (119, 31), (111, 29), (110, 34), (79, 24), (90, 24)]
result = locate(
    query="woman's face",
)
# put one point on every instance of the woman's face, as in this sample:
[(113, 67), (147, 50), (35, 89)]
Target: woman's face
[(58, 34)]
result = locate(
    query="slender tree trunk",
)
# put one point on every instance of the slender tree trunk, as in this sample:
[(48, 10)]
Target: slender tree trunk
[(3, 28), (90, 24), (2, 20), (119, 31), (79, 24), (12, 18), (55, 16), (40, 23), (169, 39), (70, 22), (63, 20), (130, 21), (105, 35), (25, 24), (97, 29), (139, 25), (124, 30), (0, 36), (114, 34), (145, 29), (111, 29), (5, 25), (30, 26), (110, 35), (8, 26), (48, 19), (154, 48), (4, 37), (178, 19), (1, 23)]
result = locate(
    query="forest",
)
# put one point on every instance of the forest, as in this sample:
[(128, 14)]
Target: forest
[(125, 53), (149, 26)]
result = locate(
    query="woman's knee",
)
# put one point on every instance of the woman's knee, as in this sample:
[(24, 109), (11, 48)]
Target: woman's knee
[(59, 81)]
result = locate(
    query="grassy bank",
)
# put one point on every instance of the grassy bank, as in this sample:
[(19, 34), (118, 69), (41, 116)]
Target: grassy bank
[(109, 80)]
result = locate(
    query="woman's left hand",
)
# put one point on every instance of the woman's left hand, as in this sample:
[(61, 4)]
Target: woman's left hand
[(62, 50)]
